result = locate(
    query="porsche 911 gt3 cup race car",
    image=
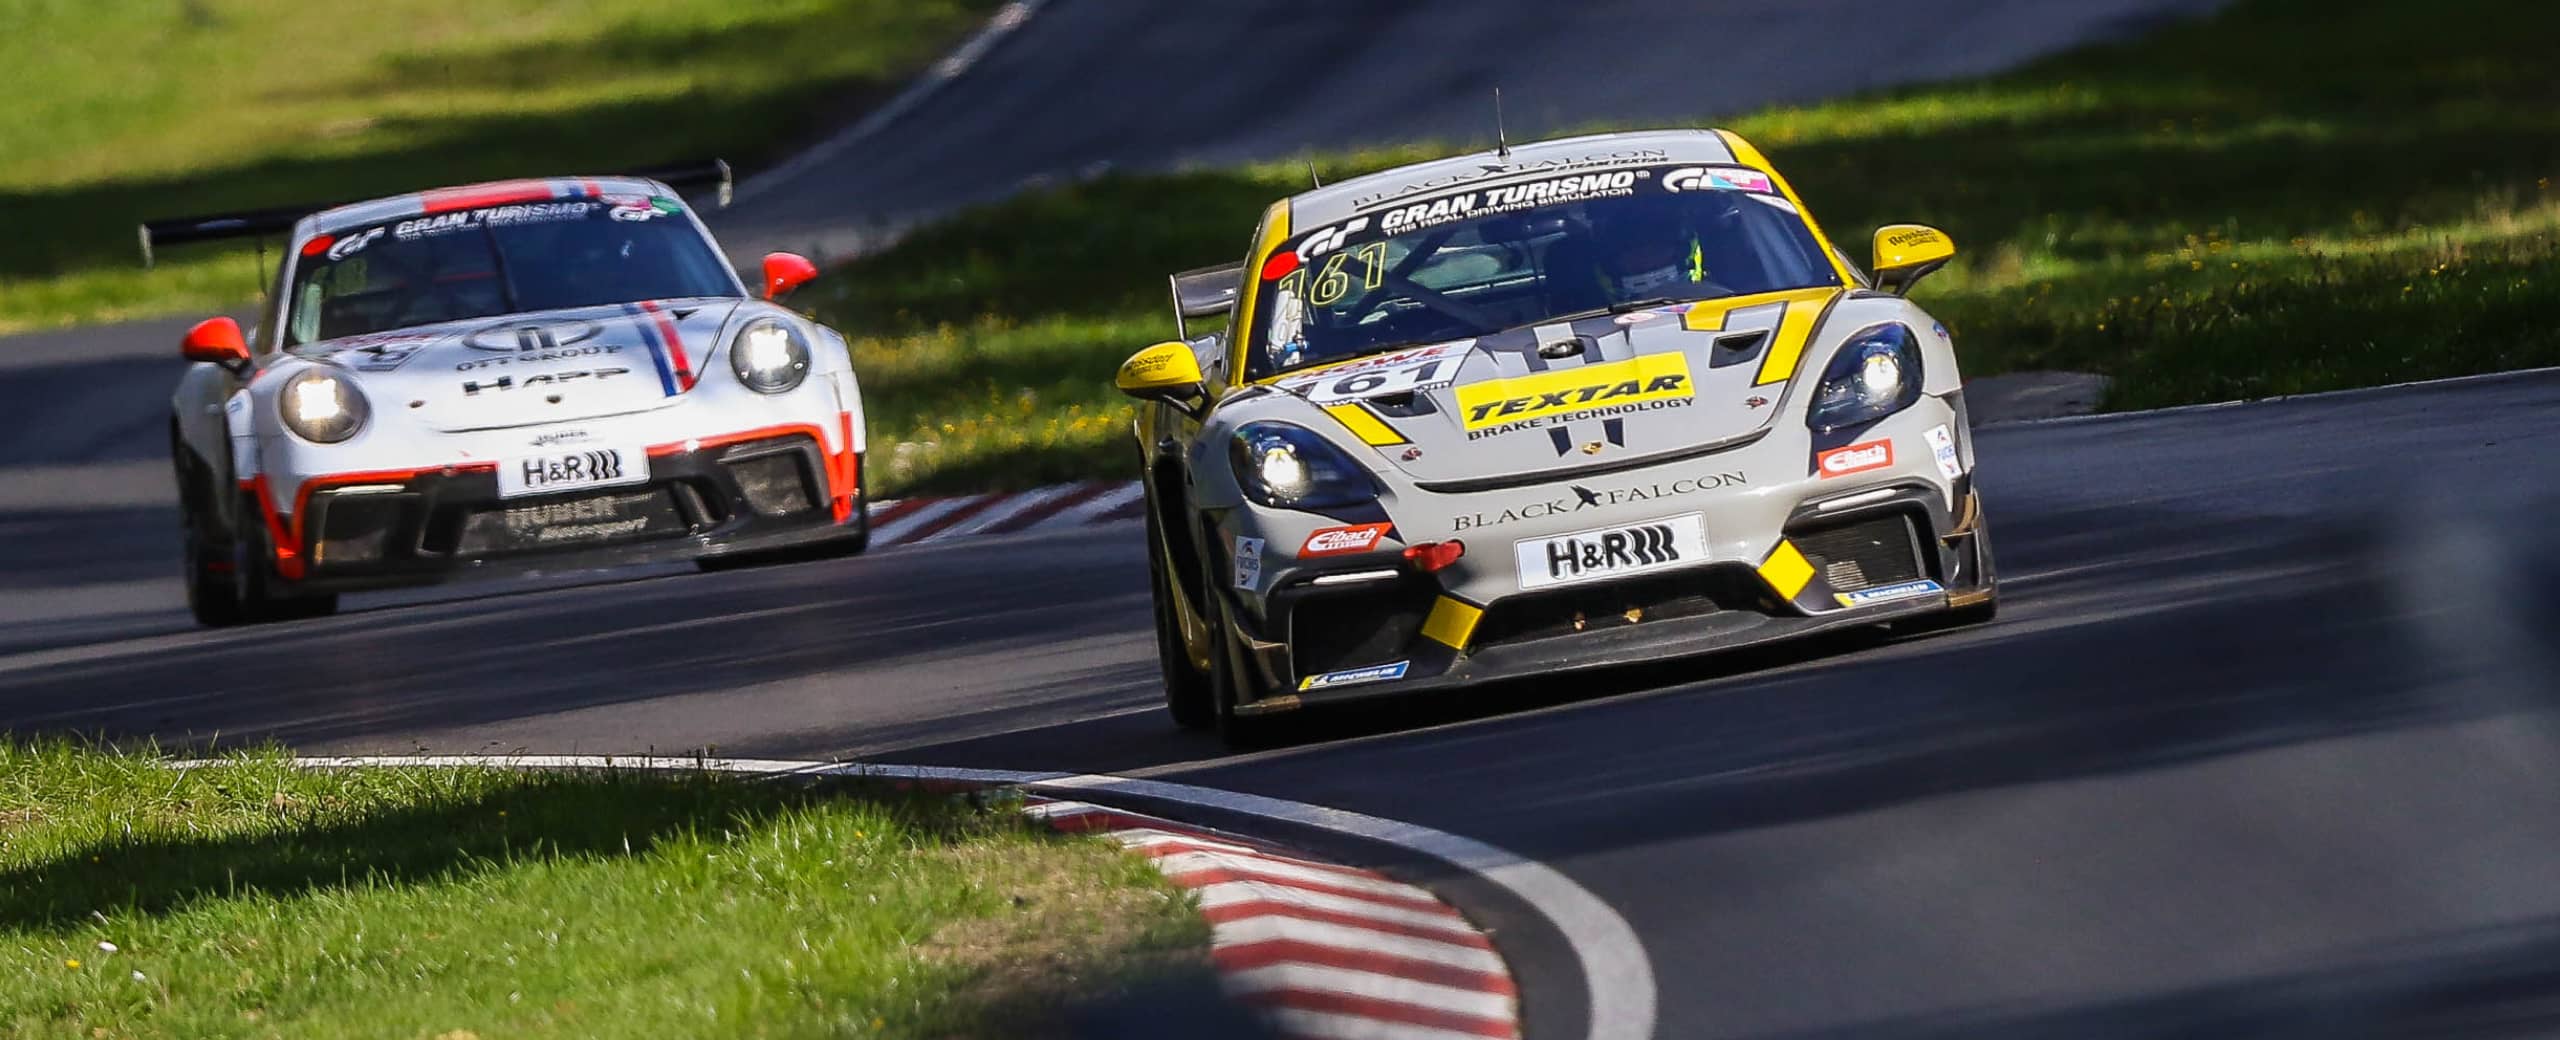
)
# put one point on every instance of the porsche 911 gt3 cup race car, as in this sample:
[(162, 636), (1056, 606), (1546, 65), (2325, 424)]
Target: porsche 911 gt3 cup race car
[(481, 378), (1584, 402)]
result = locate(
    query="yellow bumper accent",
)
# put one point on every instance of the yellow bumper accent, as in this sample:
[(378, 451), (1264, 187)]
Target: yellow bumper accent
[(1787, 571), (1452, 623), (1364, 424)]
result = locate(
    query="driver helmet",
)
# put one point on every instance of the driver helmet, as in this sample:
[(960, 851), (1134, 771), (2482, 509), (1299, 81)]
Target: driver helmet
[(1644, 245)]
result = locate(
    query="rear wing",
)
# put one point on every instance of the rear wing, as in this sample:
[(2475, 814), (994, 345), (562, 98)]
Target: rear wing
[(263, 223), (1205, 292)]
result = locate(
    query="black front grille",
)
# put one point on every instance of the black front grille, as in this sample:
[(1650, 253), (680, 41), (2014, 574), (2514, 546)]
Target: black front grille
[(1864, 554), (357, 528), (1357, 627), (777, 484), (1605, 605), (597, 519)]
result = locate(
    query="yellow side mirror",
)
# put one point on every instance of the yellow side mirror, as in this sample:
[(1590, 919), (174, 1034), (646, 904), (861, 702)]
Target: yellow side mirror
[(1906, 253), (1164, 372)]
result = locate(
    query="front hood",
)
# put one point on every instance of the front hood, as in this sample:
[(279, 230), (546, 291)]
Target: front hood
[(1570, 396), (537, 367)]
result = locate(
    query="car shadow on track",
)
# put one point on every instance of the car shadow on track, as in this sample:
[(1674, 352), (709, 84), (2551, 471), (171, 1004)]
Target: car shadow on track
[(2226, 637)]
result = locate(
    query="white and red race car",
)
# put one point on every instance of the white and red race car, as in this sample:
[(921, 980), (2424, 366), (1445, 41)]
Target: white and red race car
[(502, 375)]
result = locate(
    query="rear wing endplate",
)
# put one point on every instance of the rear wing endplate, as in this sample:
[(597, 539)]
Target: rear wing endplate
[(258, 223), (1205, 292)]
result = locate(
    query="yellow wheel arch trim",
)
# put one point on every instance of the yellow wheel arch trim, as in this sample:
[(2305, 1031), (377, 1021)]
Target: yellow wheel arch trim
[(1787, 571), (1452, 622)]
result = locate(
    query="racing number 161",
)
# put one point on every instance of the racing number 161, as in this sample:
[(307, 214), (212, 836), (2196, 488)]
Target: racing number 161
[(1332, 283)]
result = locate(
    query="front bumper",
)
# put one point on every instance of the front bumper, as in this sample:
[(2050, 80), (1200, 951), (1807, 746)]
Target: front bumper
[(1791, 552), (379, 530)]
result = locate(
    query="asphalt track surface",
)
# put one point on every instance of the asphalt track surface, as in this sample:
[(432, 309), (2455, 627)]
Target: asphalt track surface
[(2263, 743)]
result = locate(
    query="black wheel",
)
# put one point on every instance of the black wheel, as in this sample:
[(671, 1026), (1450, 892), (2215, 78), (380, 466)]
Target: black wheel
[(254, 583), (212, 596), (1186, 689)]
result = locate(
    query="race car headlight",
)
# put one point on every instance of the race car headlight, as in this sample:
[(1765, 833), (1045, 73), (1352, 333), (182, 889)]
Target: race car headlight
[(321, 406), (1290, 467), (1875, 374), (769, 356)]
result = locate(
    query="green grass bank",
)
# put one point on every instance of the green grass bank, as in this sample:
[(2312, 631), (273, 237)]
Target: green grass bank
[(123, 110), (252, 899), (2290, 196)]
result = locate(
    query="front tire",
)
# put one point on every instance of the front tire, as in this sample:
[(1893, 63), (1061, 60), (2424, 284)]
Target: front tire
[(254, 583), (1188, 696), (212, 595)]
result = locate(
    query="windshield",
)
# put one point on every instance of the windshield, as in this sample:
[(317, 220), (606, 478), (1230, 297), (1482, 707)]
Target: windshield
[(498, 260), (1487, 259)]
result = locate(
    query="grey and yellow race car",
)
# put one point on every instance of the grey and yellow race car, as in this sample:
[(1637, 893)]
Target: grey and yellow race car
[(1552, 407)]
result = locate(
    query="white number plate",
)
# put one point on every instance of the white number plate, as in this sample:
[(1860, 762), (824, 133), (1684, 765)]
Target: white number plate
[(571, 470), (1609, 552), (1399, 372)]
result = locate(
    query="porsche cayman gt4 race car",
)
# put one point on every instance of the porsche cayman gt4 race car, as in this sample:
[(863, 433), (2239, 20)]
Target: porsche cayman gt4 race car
[(1571, 404), (490, 377)]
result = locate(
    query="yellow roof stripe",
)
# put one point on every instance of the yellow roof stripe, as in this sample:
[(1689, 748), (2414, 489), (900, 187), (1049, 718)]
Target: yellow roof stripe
[(1750, 156)]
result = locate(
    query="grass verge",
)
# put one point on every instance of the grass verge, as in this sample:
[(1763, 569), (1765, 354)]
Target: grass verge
[(252, 899), (122, 110), (2289, 196)]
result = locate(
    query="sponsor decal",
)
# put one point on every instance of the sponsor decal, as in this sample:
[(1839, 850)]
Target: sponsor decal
[(1640, 317), (1327, 240), (1611, 551), (1412, 454), (547, 380), (1941, 329), (1355, 677), (1914, 237), (1487, 171), (1528, 402), (640, 207), (491, 216), (581, 520), (526, 339), (1511, 198), (1856, 458), (1586, 498), (1717, 178), (1755, 401), (545, 440), (570, 470), (1942, 443), (1248, 562), (1889, 593), (540, 358), (353, 244), (1343, 541), (1396, 372)]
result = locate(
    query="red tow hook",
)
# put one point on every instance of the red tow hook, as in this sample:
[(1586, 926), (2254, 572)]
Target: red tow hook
[(1430, 557)]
